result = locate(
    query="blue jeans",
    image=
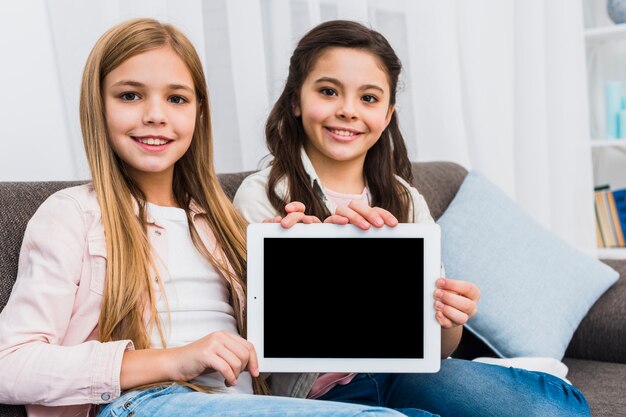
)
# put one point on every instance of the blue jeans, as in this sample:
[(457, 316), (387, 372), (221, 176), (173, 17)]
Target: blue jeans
[(179, 401), (466, 389)]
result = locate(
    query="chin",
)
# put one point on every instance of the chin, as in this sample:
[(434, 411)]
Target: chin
[(343, 157)]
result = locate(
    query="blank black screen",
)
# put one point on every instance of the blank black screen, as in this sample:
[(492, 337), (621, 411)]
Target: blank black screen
[(343, 297)]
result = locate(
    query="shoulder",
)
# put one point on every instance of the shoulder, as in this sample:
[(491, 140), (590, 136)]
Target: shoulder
[(73, 210), (251, 197), (78, 199), (83, 195), (61, 227), (252, 182), (252, 188), (420, 213)]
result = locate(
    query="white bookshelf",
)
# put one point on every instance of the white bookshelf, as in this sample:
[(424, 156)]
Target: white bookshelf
[(605, 42), (612, 253), (608, 143), (605, 34)]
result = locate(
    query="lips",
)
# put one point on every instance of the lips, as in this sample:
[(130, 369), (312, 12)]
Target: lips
[(152, 143), (342, 134)]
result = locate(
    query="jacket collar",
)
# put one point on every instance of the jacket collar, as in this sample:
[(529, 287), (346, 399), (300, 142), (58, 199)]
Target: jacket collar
[(316, 183)]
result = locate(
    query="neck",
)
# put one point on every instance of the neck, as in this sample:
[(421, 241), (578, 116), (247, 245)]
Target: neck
[(341, 176), (157, 188)]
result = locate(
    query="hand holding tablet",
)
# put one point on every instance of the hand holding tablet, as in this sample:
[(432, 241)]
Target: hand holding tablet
[(333, 298)]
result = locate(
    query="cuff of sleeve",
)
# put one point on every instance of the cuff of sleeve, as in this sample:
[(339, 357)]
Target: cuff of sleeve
[(106, 385)]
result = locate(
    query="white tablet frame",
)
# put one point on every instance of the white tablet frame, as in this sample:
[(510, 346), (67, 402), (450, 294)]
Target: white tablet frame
[(432, 271)]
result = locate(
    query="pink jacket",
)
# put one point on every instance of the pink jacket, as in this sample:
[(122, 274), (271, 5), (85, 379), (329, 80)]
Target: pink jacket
[(50, 357)]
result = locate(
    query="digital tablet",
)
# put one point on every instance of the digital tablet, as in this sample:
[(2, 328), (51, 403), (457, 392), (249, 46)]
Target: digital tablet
[(335, 298)]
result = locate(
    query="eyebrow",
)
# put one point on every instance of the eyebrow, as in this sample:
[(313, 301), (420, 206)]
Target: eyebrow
[(339, 83), (137, 84)]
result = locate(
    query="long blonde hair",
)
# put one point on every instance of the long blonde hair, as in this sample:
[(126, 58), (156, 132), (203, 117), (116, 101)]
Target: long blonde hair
[(128, 291)]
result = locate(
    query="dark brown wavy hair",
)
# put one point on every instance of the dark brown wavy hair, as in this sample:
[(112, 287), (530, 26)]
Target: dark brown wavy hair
[(285, 136)]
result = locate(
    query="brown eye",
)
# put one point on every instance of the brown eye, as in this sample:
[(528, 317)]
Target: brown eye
[(328, 92), (369, 98), (178, 100)]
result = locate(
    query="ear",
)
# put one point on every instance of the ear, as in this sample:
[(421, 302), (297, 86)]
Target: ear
[(296, 110), (389, 114)]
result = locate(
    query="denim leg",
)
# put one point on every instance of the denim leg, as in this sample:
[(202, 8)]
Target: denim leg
[(470, 389), (370, 389), (181, 401)]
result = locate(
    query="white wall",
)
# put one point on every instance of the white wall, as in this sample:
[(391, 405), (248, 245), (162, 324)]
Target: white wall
[(35, 138), (44, 45), (477, 88)]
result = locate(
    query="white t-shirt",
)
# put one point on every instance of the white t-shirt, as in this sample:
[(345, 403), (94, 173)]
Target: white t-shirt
[(196, 293)]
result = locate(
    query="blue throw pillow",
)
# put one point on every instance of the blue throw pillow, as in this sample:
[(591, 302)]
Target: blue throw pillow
[(535, 288)]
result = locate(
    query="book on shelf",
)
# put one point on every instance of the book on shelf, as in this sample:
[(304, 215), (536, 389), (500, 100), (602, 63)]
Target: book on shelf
[(620, 205), (601, 240), (610, 211), (615, 220), (605, 220)]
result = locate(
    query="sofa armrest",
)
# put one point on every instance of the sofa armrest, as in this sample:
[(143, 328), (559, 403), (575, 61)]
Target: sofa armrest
[(601, 336)]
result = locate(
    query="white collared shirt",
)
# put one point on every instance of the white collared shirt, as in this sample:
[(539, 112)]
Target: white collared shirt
[(251, 197)]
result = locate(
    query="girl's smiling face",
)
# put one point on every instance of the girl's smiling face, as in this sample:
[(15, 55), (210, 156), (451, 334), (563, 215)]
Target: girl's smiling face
[(344, 105), (150, 104)]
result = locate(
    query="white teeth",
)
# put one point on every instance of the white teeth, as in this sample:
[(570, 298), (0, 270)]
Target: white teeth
[(152, 141), (342, 132)]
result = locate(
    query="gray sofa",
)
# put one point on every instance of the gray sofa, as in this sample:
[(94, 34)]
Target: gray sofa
[(596, 356)]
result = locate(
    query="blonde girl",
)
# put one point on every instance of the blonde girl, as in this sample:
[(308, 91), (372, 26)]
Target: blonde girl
[(131, 289)]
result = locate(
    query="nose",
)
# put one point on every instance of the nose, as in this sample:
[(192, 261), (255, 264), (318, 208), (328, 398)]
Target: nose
[(154, 113), (347, 110)]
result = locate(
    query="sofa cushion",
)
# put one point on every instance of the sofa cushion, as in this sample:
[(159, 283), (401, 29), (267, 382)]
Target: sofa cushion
[(601, 335), (231, 181), (438, 182), (603, 383), (535, 288)]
